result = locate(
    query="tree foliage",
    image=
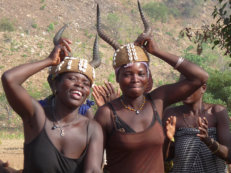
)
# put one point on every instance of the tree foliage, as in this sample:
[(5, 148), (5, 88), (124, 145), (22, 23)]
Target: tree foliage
[(218, 32)]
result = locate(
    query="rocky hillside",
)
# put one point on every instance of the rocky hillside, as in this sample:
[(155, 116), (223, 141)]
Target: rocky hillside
[(33, 24)]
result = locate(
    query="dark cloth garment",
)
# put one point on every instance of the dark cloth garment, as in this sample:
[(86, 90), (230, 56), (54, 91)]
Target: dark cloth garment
[(133, 152), (41, 156), (193, 156), (82, 109)]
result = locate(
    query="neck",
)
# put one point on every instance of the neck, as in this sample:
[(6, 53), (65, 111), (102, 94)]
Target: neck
[(196, 108), (62, 113), (133, 102)]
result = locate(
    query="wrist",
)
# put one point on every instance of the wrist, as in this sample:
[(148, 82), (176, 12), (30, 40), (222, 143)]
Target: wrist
[(207, 140), (156, 52)]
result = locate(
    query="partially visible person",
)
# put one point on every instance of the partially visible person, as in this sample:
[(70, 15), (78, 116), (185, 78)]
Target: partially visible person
[(5, 168), (132, 123), (84, 109), (57, 138), (221, 150), (194, 149)]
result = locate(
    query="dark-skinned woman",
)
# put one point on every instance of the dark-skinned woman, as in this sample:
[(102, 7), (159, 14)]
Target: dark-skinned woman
[(192, 120), (57, 138), (132, 127)]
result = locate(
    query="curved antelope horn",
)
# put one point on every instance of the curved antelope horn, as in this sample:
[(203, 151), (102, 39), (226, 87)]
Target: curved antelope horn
[(110, 41), (147, 28), (58, 35), (96, 61)]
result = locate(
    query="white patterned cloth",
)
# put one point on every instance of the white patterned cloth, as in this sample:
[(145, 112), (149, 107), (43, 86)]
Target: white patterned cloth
[(193, 156)]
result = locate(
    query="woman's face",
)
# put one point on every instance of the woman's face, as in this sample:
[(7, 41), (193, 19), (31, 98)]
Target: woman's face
[(73, 88), (133, 79), (196, 96)]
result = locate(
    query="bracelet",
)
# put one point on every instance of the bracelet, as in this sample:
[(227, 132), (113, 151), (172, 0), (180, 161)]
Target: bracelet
[(173, 139), (179, 62), (218, 145), (212, 141)]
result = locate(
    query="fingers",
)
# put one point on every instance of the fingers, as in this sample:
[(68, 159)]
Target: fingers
[(205, 120), (95, 92), (173, 120), (106, 91), (109, 88), (118, 93), (199, 121), (66, 44), (66, 40)]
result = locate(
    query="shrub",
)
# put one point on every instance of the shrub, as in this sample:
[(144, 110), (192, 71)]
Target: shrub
[(51, 27), (43, 7), (6, 25), (34, 25), (157, 11)]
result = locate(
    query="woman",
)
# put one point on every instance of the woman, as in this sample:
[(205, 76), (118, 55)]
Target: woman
[(133, 134), (189, 153), (57, 138)]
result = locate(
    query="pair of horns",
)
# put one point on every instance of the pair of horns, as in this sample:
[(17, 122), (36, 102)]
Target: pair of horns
[(113, 43), (96, 61)]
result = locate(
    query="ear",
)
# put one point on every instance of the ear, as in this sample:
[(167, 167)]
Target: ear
[(203, 88)]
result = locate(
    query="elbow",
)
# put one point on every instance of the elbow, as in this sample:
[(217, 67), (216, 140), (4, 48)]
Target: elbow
[(94, 171), (5, 78), (204, 78)]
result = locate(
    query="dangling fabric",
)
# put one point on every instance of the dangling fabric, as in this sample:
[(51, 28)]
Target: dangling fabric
[(84, 107)]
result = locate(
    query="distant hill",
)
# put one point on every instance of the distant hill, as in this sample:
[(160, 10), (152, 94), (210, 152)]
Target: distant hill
[(33, 24)]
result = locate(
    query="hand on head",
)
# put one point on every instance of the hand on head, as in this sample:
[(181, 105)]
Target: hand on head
[(60, 51), (104, 94), (171, 127), (147, 42), (203, 127)]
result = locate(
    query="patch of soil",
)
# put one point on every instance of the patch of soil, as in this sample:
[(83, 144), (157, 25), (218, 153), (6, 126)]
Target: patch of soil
[(11, 150)]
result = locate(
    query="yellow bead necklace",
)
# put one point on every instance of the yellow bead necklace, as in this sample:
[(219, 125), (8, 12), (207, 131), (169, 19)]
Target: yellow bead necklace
[(137, 111)]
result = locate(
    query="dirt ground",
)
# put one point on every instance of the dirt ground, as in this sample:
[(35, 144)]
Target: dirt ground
[(11, 150)]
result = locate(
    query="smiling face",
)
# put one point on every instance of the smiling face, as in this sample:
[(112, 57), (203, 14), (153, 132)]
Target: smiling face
[(72, 88), (133, 79)]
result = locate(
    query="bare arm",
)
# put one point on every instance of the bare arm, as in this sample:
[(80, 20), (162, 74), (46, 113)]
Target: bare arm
[(103, 117), (12, 81), (94, 157), (221, 147), (169, 122), (168, 94)]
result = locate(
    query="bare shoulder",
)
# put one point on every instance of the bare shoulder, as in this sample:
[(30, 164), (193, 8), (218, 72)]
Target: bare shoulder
[(216, 108), (173, 110), (94, 127), (103, 113), (219, 111)]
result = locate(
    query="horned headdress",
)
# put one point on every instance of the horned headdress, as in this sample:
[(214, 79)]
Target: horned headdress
[(75, 64), (127, 53)]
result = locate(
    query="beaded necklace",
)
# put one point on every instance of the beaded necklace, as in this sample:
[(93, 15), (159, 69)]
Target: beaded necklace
[(137, 111)]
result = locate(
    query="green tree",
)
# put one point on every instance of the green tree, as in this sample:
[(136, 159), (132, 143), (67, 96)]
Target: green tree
[(218, 32)]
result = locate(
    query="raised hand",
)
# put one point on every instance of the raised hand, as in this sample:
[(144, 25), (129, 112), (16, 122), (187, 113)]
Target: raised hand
[(171, 127), (104, 94), (147, 42), (60, 51), (203, 127), (99, 95), (111, 94)]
